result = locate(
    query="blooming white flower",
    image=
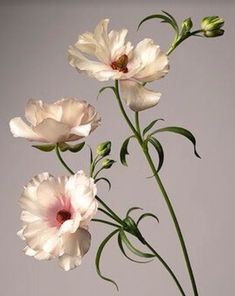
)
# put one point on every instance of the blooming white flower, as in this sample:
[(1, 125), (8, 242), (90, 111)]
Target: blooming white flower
[(65, 120), (118, 60), (56, 213)]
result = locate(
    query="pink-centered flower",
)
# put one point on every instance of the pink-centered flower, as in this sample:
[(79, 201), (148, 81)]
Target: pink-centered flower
[(116, 59), (55, 214), (67, 119)]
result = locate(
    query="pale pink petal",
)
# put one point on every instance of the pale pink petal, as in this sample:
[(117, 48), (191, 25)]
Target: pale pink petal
[(81, 130), (154, 63), (68, 262), (20, 129), (137, 97), (52, 131)]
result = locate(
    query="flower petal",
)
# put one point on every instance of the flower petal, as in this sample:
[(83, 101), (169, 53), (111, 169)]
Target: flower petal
[(81, 130), (68, 262), (154, 63), (52, 131), (20, 129), (137, 97)]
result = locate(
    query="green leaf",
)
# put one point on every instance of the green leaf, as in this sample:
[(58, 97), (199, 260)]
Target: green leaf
[(147, 215), (91, 155), (104, 88), (105, 222), (181, 131), (124, 152), (157, 145), (125, 254), (151, 125), (167, 18), (104, 179), (98, 256), (72, 148), (108, 214), (133, 249), (45, 148), (132, 209)]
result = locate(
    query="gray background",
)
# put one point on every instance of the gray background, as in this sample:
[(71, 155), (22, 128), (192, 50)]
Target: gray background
[(198, 93)]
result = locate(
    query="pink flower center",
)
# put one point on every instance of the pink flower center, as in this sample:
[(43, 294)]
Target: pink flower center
[(121, 64), (62, 216)]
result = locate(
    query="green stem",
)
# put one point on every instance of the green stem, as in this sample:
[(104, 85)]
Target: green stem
[(61, 159), (164, 193), (106, 222), (166, 266)]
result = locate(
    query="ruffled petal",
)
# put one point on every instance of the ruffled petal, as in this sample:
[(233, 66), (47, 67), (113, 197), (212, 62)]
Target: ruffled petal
[(154, 63), (52, 131), (68, 262), (81, 130), (137, 97), (20, 129)]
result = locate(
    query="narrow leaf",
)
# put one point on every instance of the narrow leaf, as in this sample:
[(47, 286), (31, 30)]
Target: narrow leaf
[(105, 222), (104, 179), (151, 125), (98, 256), (104, 88), (181, 131), (91, 155), (147, 215), (133, 249), (157, 145), (44, 148), (124, 152), (125, 254), (132, 209), (164, 18)]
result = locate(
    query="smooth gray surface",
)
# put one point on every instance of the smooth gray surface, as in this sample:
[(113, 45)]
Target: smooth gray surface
[(198, 94)]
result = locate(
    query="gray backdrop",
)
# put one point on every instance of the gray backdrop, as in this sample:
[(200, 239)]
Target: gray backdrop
[(198, 93)]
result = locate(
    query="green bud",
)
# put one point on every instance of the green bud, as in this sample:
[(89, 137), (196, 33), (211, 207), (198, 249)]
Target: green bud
[(211, 25), (103, 149), (107, 163), (214, 33), (187, 25)]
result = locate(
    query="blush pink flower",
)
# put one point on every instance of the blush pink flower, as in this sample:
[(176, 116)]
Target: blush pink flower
[(116, 59), (65, 120), (55, 214)]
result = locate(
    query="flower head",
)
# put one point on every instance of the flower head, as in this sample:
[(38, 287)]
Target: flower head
[(56, 214), (65, 120), (211, 26), (116, 59)]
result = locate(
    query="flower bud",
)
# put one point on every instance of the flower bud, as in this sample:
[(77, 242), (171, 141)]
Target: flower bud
[(107, 163), (103, 149), (211, 25), (187, 25)]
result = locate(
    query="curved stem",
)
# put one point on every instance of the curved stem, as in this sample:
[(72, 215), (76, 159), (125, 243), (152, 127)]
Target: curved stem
[(164, 193), (166, 266), (61, 159)]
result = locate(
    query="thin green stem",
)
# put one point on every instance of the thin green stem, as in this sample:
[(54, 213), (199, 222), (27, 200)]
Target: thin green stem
[(137, 123), (61, 159), (166, 266), (164, 193), (106, 222)]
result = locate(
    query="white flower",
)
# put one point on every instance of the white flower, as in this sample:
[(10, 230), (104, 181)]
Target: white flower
[(118, 60), (65, 120), (56, 213)]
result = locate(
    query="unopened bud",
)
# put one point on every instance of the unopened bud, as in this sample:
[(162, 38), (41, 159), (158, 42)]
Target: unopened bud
[(211, 26), (107, 163), (103, 149), (187, 25)]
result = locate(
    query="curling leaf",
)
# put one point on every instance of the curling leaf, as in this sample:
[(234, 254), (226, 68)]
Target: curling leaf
[(98, 256), (167, 18), (133, 249), (104, 179), (147, 215), (151, 125), (124, 152), (132, 209), (125, 254), (104, 88), (181, 131), (157, 145), (44, 148)]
